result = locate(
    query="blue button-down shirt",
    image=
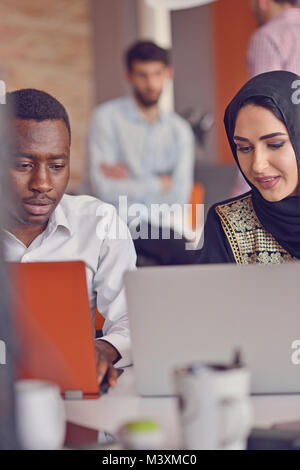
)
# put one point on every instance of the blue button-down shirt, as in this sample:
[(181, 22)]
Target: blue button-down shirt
[(120, 134)]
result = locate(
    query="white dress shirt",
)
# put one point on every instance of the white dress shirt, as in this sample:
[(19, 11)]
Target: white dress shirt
[(83, 228)]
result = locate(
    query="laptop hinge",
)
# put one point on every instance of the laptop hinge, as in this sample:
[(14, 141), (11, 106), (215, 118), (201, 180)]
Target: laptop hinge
[(73, 395)]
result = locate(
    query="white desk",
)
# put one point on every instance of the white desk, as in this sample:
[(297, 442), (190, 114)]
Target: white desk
[(123, 403)]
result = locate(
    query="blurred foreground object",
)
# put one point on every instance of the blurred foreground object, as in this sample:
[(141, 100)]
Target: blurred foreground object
[(143, 434), (40, 415), (7, 419), (177, 4), (214, 405)]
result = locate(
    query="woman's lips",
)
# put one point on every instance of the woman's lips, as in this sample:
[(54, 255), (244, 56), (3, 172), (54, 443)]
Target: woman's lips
[(268, 181), (38, 209)]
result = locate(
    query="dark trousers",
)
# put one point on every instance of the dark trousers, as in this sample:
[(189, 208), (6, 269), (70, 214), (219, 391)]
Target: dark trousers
[(162, 251)]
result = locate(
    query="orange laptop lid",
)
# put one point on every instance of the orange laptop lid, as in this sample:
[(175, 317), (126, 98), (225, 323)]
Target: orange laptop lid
[(54, 326)]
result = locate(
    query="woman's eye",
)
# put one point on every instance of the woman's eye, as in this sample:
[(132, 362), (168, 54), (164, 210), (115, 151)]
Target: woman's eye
[(276, 146), (244, 149)]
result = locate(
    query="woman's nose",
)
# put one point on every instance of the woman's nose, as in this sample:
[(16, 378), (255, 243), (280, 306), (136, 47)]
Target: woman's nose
[(260, 161)]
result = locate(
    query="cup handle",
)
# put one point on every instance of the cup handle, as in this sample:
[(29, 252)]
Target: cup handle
[(236, 419)]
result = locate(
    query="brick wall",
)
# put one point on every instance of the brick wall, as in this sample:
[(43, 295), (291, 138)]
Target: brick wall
[(47, 45)]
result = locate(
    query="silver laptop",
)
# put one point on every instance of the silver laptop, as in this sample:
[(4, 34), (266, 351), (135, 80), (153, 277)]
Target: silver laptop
[(191, 313)]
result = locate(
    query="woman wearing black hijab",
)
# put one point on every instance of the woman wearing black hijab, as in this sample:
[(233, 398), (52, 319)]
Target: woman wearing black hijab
[(263, 128)]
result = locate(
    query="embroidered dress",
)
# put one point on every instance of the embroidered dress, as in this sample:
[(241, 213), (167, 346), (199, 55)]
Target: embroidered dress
[(249, 241)]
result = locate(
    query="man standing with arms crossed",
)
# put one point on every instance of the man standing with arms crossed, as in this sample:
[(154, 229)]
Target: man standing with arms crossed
[(142, 152)]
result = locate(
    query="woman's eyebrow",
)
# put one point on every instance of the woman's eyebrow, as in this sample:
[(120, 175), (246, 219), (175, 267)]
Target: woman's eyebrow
[(263, 137), (243, 139), (274, 134)]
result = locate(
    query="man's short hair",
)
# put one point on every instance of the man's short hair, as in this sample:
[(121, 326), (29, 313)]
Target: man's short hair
[(38, 105), (146, 51), (291, 2)]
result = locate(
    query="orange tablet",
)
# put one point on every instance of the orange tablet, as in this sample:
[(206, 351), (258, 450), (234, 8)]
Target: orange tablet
[(54, 326)]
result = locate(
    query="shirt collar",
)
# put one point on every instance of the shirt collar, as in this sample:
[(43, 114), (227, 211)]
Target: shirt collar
[(288, 14), (134, 112), (59, 219)]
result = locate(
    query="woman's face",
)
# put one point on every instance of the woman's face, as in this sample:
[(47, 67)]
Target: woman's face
[(265, 153)]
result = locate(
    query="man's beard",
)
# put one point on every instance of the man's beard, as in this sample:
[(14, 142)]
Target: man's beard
[(147, 103), (14, 218)]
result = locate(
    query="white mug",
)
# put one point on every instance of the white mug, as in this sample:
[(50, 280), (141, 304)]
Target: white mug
[(214, 406), (40, 415)]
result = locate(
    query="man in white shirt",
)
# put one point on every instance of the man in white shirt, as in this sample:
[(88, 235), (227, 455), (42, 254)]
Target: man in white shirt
[(44, 224)]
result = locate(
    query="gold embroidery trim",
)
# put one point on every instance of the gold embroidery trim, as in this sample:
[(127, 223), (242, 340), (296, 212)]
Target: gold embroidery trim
[(230, 234), (249, 241)]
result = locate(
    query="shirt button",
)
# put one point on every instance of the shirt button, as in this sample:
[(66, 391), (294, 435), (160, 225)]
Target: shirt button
[(26, 258)]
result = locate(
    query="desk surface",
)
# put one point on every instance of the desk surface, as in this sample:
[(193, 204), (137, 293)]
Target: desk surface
[(123, 403)]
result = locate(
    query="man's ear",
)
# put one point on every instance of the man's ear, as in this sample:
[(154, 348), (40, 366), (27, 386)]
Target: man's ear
[(170, 72), (127, 76), (264, 5)]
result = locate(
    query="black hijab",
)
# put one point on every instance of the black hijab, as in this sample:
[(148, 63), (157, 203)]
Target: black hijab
[(280, 218)]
